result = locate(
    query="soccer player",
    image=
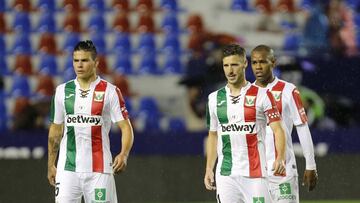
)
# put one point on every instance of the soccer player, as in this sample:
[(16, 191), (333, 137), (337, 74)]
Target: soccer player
[(81, 114), (237, 115), (284, 189)]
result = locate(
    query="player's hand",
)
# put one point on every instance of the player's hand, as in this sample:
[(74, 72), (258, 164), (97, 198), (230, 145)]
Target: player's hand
[(120, 163), (209, 180), (51, 175), (279, 167), (310, 179)]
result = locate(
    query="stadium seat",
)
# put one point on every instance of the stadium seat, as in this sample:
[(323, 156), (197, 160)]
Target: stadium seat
[(122, 43), (144, 6), (3, 24), (69, 74), (146, 43), (22, 44), (72, 22), (103, 65), (121, 23), (264, 6), (22, 5), (21, 23), (172, 64), (121, 81), (148, 64), (48, 65), (176, 126), (148, 115), (3, 116), (3, 6), (148, 105), (291, 42), (288, 6), (123, 64), (96, 5), (68, 64), (171, 43), (4, 69), (145, 23), (23, 64), (240, 5), (307, 4), (170, 5), (72, 5), (96, 23), (170, 22), (120, 5), (99, 42), (194, 24), (71, 39), (47, 5), (47, 44), (20, 86), (3, 48), (47, 22), (45, 86)]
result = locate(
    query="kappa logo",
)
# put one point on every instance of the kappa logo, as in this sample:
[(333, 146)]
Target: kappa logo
[(285, 189), (99, 96), (69, 96), (250, 100), (277, 95), (258, 200), (221, 102)]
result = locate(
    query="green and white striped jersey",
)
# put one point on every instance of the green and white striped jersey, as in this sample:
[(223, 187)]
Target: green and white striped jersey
[(240, 123), (87, 116)]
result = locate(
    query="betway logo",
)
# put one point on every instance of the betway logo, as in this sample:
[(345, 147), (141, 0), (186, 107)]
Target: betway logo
[(83, 120), (244, 127)]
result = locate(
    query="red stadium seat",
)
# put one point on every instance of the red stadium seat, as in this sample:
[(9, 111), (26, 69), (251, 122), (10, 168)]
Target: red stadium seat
[(3, 23), (145, 6), (45, 85), (72, 22), (47, 44), (264, 6), (23, 64), (286, 6), (122, 83), (195, 24), (121, 23), (146, 23), (22, 5), (121, 5), (103, 66), (72, 5)]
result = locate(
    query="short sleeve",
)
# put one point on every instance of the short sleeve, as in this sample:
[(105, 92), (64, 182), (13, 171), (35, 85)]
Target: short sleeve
[(57, 106), (118, 111), (211, 119), (297, 109), (270, 109)]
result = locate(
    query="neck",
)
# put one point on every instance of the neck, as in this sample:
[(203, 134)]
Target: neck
[(235, 89), (85, 82), (264, 83)]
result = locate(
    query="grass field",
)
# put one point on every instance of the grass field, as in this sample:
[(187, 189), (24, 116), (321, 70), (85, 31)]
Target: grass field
[(313, 201)]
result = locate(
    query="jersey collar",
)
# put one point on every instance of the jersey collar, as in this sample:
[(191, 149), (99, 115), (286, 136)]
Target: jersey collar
[(92, 84), (247, 85)]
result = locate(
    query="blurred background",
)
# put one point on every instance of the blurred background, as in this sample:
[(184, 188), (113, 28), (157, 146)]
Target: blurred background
[(165, 56)]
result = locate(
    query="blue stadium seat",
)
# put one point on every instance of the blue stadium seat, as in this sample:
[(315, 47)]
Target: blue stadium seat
[(96, 23), (47, 5), (47, 22), (68, 65), (123, 64), (149, 114), (20, 86), (3, 7), (307, 4), (148, 105), (122, 42), (146, 43), (170, 22), (99, 42), (3, 48), (171, 43), (240, 5), (96, 5), (170, 5), (22, 44), (148, 64), (4, 69), (176, 126), (291, 42), (3, 115), (71, 39), (48, 65), (172, 64), (22, 22)]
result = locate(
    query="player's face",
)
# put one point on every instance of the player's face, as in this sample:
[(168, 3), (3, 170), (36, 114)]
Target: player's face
[(262, 64), (234, 67), (84, 64)]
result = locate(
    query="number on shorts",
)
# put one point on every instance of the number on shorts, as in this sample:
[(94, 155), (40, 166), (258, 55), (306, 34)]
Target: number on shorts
[(56, 189)]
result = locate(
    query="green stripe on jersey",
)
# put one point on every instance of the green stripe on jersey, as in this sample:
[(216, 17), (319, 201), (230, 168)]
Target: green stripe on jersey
[(226, 164), (70, 164), (221, 104), (52, 109)]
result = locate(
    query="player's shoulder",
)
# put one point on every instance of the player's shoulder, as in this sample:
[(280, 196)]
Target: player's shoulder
[(288, 85), (62, 85)]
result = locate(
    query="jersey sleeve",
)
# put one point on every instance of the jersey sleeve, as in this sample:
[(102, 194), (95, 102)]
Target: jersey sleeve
[(118, 111), (211, 120), (297, 109), (57, 106), (271, 111)]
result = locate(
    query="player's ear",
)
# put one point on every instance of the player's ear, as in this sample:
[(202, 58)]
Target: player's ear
[(96, 62)]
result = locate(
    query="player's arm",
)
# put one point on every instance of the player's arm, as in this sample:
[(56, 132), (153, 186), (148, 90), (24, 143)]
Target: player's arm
[(127, 140), (280, 141), (55, 135), (211, 154)]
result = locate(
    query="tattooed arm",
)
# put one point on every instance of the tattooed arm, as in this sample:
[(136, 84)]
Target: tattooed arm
[(55, 135)]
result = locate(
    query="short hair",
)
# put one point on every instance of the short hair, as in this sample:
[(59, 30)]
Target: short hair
[(233, 49), (264, 48), (87, 46)]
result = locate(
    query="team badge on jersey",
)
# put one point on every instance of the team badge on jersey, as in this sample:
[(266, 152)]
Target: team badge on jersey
[(277, 95), (99, 96), (258, 200), (250, 100)]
